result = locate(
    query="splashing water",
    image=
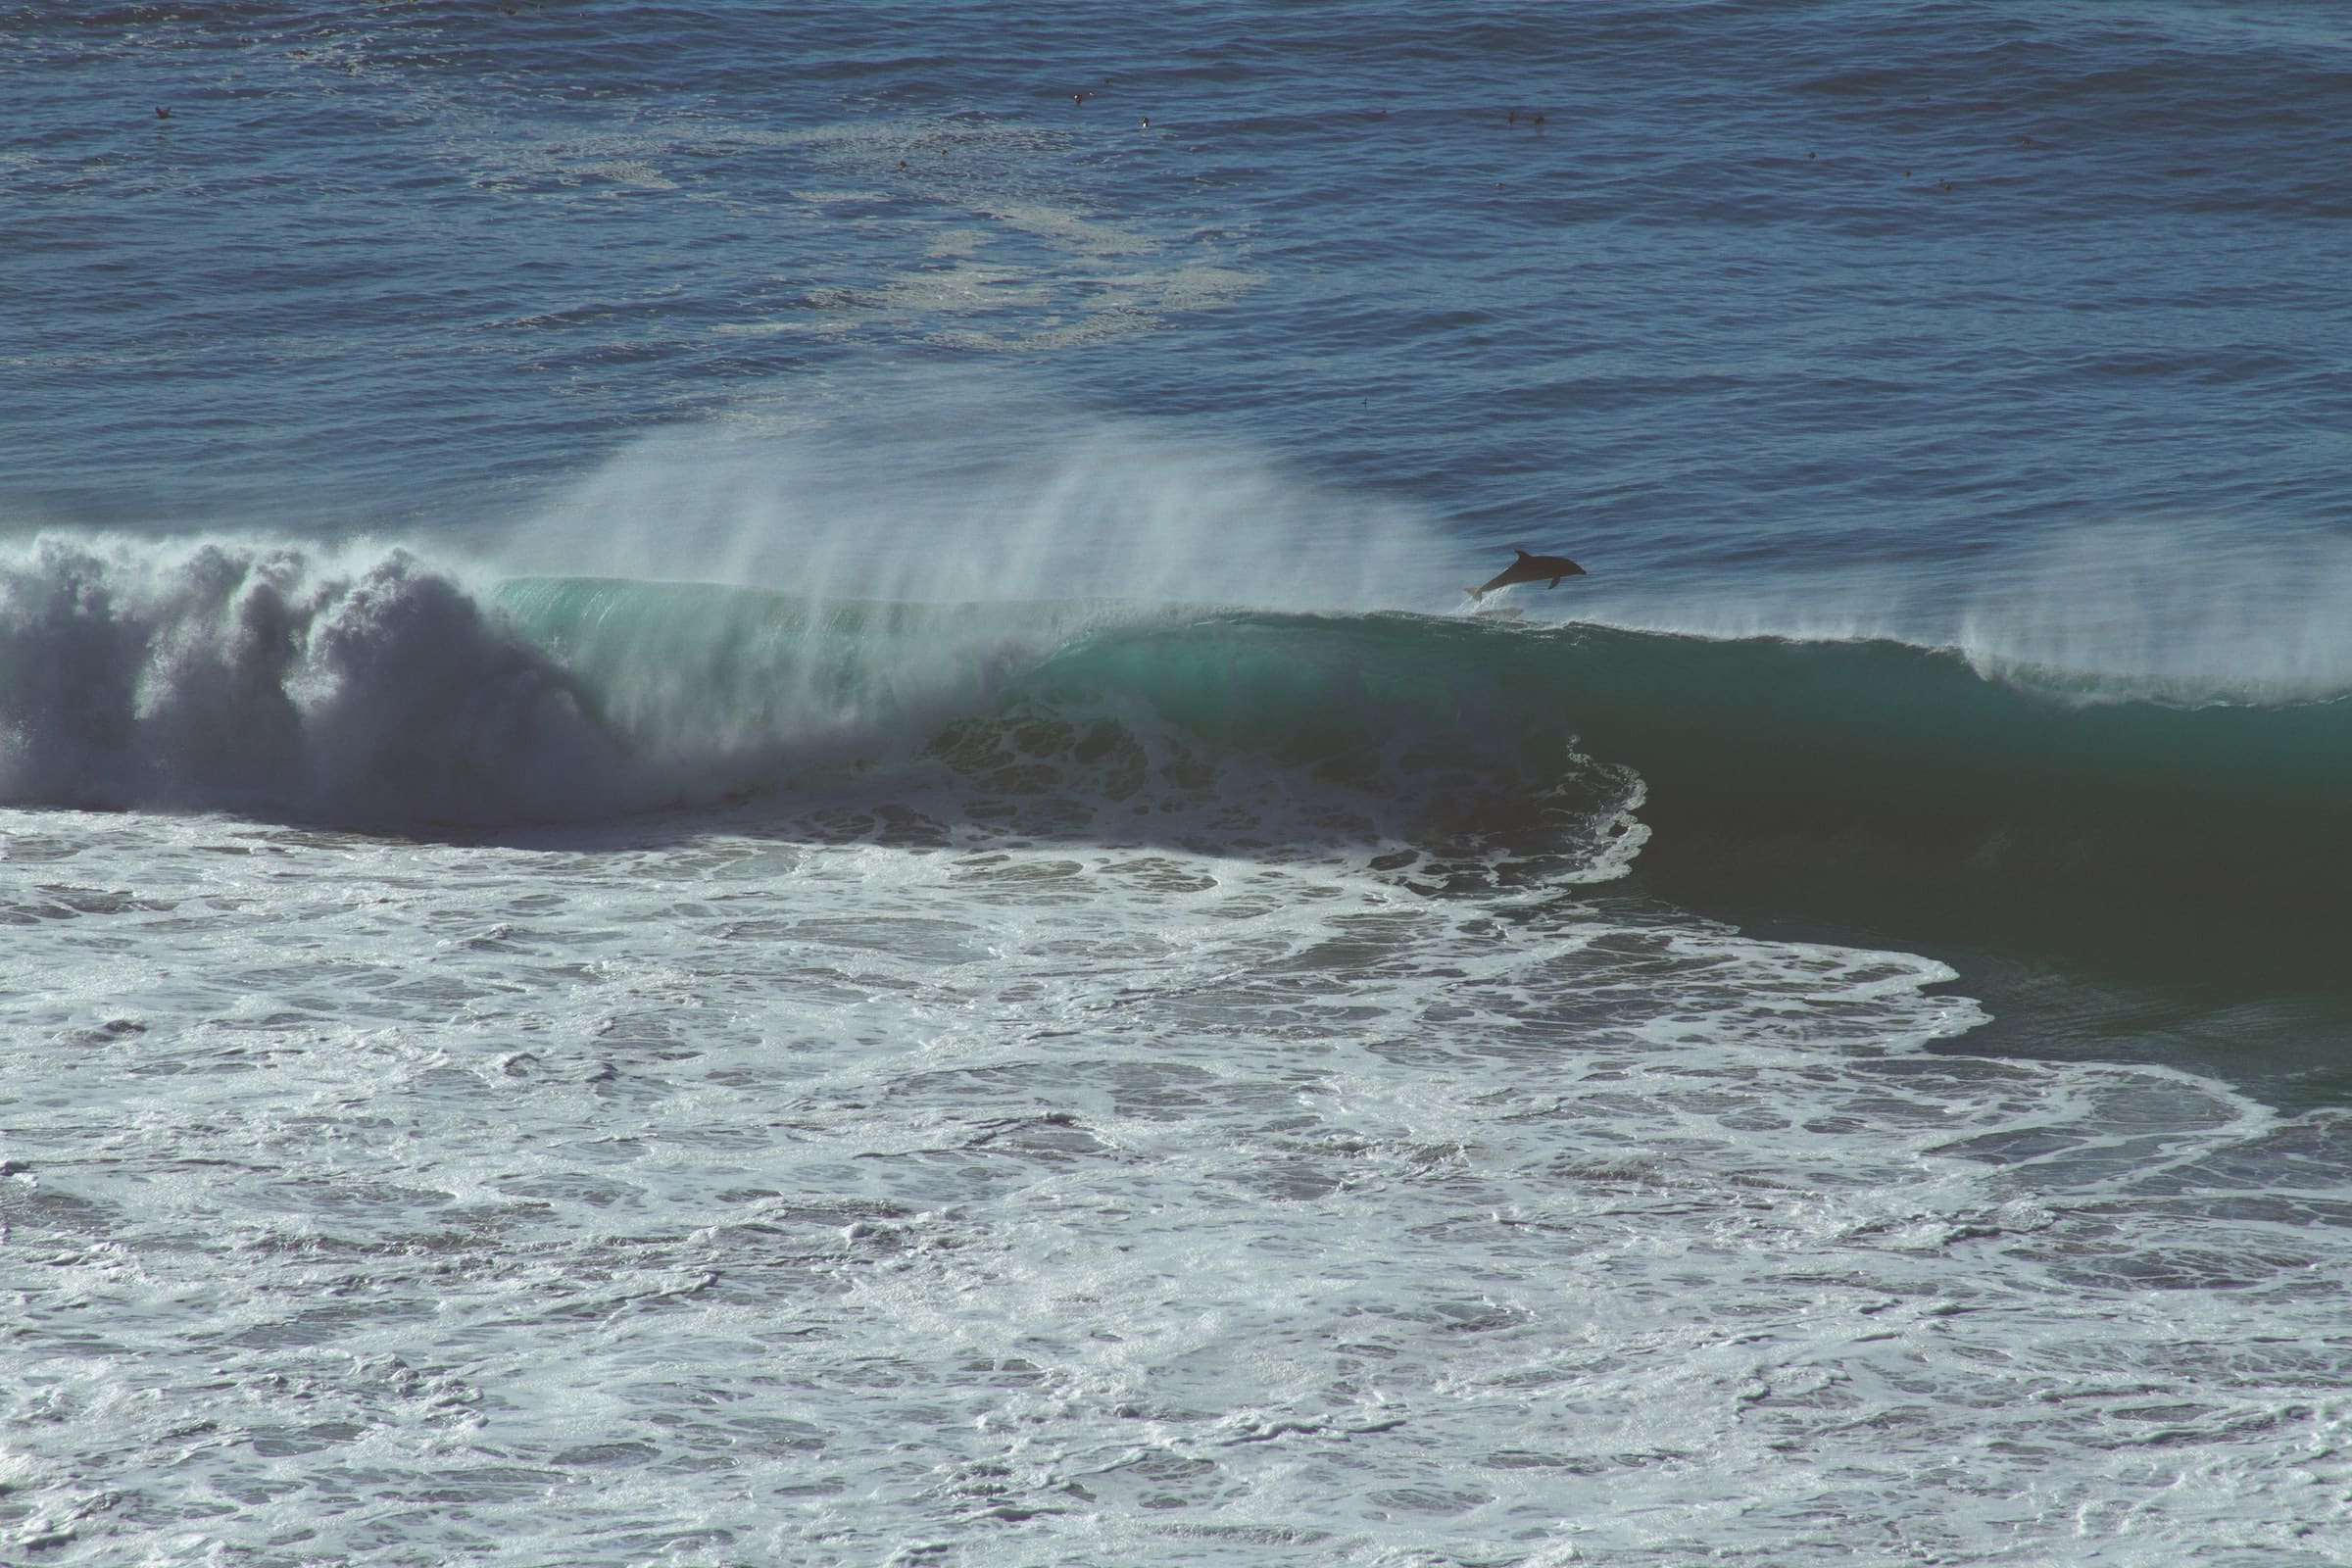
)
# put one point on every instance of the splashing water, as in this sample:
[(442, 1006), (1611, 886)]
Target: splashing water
[(956, 489)]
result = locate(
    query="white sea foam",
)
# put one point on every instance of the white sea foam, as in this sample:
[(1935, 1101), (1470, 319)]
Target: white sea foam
[(865, 1184), (351, 684)]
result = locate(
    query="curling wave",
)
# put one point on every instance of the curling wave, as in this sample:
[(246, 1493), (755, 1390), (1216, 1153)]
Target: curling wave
[(262, 681), (1870, 785)]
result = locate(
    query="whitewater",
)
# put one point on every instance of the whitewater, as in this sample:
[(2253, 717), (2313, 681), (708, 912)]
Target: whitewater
[(749, 811)]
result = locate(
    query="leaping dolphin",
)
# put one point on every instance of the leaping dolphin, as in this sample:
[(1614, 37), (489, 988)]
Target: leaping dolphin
[(1530, 569)]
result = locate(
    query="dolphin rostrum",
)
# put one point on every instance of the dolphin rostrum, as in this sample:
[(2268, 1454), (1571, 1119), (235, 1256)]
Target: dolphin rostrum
[(1530, 569)]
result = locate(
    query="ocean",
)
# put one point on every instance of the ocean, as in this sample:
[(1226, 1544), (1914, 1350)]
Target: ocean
[(749, 811)]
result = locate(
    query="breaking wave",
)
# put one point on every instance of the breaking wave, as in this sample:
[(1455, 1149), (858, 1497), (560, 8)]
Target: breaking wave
[(378, 692)]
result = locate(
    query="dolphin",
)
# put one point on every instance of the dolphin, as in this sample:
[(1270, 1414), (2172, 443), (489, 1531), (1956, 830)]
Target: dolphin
[(1529, 568)]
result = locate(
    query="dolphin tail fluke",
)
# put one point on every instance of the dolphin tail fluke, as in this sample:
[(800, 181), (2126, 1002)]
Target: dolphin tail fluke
[(1478, 596)]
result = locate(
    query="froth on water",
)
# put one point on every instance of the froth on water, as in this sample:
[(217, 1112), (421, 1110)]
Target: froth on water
[(351, 685)]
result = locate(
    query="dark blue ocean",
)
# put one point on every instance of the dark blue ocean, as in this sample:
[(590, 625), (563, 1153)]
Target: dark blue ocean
[(749, 811)]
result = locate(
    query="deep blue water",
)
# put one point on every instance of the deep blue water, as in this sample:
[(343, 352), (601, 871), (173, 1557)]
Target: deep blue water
[(1769, 286)]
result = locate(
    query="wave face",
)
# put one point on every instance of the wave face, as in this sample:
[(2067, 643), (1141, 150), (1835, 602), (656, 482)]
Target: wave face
[(1225, 728), (1873, 787), (2034, 773), (1749, 737), (380, 692), (1905, 796)]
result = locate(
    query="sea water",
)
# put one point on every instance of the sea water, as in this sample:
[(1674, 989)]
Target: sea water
[(750, 813)]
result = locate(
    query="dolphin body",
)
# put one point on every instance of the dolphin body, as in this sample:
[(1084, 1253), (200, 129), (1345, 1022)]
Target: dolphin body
[(1530, 569)]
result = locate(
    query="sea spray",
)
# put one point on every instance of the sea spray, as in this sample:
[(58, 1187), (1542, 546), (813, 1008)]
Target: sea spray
[(701, 671), (2178, 609), (944, 488), (2182, 610)]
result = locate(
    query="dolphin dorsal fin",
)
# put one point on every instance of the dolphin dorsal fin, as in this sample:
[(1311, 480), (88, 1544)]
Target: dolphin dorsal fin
[(1521, 554)]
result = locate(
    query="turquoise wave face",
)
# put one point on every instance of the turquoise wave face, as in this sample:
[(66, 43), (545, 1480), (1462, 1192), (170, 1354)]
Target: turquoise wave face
[(1878, 792), (1093, 716), (1869, 790), (1741, 741), (1776, 734)]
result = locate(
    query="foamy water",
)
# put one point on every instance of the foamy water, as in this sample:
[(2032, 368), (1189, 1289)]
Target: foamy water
[(856, 1187)]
